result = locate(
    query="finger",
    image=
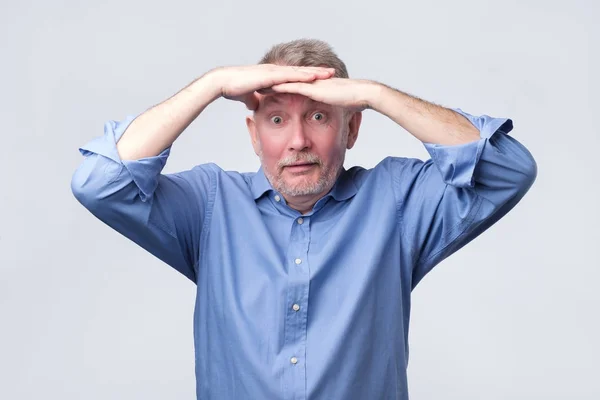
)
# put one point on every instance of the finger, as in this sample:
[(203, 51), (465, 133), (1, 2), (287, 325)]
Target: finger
[(325, 74), (306, 68), (265, 91), (292, 87), (316, 69), (299, 68), (303, 76), (320, 72), (288, 76)]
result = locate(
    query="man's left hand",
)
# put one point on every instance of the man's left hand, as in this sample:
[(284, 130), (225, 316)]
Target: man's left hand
[(353, 94)]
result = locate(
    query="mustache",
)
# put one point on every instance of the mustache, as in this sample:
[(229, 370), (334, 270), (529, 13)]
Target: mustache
[(308, 158)]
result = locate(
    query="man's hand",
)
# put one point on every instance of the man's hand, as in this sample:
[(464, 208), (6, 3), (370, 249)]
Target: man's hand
[(426, 121), (241, 83), (352, 94)]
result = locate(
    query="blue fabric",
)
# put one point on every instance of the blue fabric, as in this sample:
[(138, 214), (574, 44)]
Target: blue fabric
[(332, 289)]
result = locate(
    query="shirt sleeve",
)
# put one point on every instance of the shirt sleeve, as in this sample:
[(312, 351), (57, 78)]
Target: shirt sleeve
[(162, 213), (450, 199)]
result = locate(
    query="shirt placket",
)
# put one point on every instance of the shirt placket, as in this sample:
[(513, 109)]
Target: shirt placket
[(297, 308)]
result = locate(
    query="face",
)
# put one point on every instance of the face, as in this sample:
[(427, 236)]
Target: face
[(301, 143)]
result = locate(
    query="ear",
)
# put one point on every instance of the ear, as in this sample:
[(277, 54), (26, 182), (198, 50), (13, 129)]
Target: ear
[(353, 127), (251, 125)]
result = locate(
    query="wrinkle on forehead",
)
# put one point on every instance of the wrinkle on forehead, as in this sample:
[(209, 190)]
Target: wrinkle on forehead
[(287, 99)]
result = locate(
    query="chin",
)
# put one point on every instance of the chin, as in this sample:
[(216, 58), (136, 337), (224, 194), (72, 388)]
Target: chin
[(307, 187)]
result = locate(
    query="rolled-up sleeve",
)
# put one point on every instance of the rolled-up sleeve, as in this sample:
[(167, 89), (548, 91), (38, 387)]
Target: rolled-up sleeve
[(144, 172), (448, 200), (163, 213)]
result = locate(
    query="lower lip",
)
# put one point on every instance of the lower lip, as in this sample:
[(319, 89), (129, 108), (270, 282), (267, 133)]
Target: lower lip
[(299, 168)]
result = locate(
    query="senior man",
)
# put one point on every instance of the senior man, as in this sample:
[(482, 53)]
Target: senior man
[(304, 269)]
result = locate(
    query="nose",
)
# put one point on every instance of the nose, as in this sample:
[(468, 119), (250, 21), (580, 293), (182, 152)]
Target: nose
[(299, 140)]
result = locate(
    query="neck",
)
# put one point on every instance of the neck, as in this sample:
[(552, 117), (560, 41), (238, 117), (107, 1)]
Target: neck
[(304, 204)]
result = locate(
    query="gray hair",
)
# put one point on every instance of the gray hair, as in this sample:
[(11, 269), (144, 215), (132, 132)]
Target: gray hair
[(306, 53)]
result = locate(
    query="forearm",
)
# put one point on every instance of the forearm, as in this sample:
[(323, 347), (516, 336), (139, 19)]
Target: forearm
[(158, 127), (428, 122)]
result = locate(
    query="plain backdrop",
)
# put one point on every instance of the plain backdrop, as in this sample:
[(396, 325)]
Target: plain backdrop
[(86, 314)]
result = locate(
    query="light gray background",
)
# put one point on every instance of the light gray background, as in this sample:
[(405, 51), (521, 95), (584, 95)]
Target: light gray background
[(84, 313)]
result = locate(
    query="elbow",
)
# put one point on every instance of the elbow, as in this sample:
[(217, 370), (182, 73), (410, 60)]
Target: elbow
[(90, 183), (528, 172), (81, 189), (101, 185), (532, 172), (520, 177), (511, 177)]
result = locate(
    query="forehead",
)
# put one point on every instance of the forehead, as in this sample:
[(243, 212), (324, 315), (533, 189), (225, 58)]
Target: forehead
[(287, 100)]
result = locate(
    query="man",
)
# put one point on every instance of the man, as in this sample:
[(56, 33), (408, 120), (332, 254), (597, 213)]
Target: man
[(304, 269)]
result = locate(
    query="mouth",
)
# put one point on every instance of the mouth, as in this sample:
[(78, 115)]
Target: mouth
[(300, 167)]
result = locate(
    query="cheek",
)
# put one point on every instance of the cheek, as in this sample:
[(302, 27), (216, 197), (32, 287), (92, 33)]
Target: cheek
[(331, 146), (272, 148)]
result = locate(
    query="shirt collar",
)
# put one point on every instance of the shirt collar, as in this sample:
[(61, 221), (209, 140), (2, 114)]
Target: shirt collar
[(343, 189), (260, 184)]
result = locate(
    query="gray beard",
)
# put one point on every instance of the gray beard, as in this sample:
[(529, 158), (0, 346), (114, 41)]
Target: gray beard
[(322, 185), (305, 188)]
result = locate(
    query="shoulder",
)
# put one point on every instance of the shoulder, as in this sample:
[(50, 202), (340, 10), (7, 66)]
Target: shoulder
[(388, 168), (221, 178)]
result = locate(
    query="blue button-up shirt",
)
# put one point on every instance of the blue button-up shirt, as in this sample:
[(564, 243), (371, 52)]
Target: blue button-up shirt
[(313, 306)]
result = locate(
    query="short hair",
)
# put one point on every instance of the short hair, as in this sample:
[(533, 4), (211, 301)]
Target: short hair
[(306, 53)]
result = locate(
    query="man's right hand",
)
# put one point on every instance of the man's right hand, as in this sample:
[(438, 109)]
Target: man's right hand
[(241, 83), (158, 127)]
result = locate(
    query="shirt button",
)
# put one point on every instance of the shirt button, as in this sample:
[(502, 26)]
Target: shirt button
[(298, 261), (300, 221), (277, 198), (294, 360), (295, 307)]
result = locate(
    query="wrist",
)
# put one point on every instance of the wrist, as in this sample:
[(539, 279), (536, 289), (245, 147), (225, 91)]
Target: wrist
[(372, 94), (211, 83)]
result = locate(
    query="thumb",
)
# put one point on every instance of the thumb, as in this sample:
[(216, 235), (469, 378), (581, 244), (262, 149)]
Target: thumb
[(251, 101)]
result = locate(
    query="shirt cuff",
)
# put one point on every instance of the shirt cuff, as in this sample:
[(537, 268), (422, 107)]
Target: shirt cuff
[(144, 172), (457, 163)]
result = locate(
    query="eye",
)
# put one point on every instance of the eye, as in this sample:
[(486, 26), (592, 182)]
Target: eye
[(318, 116), (276, 120)]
